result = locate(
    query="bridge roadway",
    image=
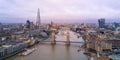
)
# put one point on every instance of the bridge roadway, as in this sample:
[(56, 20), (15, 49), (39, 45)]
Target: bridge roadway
[(60, 41)]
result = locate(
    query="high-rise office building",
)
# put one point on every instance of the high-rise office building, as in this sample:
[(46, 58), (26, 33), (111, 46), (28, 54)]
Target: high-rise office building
[(101, 23), (116, 24), (28, 24), (38, 21), (1, 27)]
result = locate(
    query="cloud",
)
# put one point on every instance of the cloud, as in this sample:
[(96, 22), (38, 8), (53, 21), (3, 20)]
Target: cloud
[(60, 9)]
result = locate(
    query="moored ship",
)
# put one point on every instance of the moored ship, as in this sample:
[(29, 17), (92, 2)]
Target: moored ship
[(27, 52)]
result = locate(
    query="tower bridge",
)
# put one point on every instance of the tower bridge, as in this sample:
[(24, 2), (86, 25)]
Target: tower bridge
[(66, 36)]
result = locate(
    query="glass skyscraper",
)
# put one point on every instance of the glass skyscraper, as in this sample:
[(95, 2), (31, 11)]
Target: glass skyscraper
[(101, 23)]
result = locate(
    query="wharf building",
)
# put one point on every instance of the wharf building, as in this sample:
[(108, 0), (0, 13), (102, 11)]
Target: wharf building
[(11, 49)]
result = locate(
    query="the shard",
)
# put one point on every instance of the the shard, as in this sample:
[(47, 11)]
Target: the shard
[(38, 21)]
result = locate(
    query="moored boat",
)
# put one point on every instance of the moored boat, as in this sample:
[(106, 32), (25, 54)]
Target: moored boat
[(27, 52)]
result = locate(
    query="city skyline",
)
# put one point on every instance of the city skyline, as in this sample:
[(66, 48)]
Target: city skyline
[(71, 11)]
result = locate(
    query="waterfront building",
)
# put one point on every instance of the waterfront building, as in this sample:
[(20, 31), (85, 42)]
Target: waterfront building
[(11, 49)]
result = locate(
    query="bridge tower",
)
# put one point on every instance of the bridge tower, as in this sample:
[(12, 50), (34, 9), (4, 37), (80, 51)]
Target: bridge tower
[(68, 38), (53, 38)]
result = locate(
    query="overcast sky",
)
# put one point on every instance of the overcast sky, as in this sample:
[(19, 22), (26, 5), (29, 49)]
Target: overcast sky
[(60, 10)]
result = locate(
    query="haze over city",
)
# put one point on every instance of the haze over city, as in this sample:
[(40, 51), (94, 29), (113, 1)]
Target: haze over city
[(75, 11), (59, 30)]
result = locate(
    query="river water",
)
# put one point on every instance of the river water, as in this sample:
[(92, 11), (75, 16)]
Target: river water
[(53, 52), (59, 51)]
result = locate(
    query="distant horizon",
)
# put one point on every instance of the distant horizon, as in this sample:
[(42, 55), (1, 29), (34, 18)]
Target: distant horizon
[(24, 21), (68, 11)]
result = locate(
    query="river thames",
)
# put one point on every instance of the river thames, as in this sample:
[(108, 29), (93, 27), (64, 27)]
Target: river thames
[(59, 51), (53, 52)]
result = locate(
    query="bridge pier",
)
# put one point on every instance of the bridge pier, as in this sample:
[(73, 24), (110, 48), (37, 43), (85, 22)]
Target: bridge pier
[(67, 38), (53, 38)]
